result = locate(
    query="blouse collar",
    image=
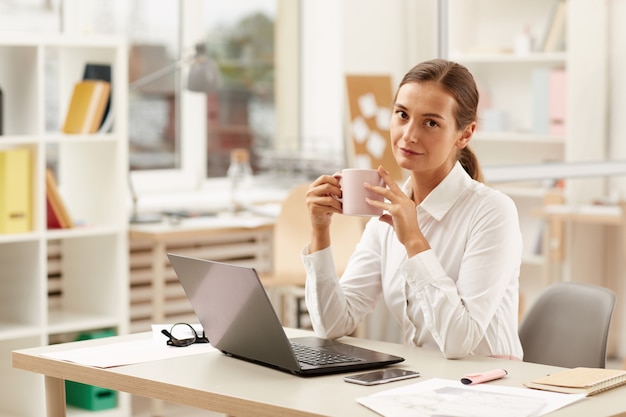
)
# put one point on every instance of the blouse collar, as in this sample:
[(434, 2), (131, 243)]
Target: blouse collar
[(441, 199)]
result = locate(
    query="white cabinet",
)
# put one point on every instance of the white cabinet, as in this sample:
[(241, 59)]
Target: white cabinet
[(56, 284), (482, 35)]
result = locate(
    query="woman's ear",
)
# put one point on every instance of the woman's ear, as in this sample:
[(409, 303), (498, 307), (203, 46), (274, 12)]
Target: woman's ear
[(466, 135)]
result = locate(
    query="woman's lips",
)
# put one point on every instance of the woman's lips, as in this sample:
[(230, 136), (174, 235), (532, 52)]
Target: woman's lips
[(409, 152)]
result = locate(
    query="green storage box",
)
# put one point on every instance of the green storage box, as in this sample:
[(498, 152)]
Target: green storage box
[(88, 396)]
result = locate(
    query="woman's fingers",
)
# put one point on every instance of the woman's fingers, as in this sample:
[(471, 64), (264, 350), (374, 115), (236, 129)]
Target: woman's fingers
[(322, 200)]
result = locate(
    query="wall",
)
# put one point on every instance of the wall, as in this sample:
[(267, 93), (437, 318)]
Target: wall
[(358, 37), (617, 147), (321, 68), (617, 87)]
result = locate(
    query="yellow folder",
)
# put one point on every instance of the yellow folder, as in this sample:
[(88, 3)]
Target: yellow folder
[(15, 191)]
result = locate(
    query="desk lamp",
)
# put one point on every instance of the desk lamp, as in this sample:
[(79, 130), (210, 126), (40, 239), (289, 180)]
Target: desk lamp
[(203, 77)]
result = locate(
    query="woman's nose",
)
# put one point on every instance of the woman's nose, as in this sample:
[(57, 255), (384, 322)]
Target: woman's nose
[(411, 134)]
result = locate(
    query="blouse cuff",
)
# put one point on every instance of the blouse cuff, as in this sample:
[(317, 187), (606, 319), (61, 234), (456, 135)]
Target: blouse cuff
[(422, 269), (319, 264)]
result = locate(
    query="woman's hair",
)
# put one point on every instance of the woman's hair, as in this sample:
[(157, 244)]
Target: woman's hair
[(459, 83)]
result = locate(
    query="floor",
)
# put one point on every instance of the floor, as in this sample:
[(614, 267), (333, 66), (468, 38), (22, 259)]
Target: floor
[(142, 406)]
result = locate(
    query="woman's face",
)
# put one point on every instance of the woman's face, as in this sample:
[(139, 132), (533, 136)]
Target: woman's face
[(424, 136)]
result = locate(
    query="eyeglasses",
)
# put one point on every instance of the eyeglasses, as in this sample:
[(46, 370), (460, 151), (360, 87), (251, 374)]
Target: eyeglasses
[(187, 335)]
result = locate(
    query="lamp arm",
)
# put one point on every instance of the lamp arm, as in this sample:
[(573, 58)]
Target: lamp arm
[(160, 73)]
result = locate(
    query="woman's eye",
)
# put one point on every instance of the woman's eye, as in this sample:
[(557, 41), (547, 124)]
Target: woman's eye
[(401, 114), (431, 123)]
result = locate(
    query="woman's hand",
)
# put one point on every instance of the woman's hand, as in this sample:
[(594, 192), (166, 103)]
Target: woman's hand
[(322, 200), (401, 213)]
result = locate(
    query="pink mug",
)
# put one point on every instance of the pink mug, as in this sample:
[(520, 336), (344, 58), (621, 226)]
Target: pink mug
[(354, 191)]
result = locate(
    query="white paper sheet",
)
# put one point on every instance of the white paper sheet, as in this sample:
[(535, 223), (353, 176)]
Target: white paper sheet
[(443, 397), (127, 353), (360, 130), (376, 145), (367, 105)]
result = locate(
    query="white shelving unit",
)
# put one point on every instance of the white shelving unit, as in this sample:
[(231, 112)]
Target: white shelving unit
[(481, 35), (85, 287)]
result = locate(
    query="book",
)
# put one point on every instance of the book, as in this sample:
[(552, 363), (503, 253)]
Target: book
[(15, 191), (554, 38), (100, 72), (589, 381), (52, 218), (87, 106), (57, 215)]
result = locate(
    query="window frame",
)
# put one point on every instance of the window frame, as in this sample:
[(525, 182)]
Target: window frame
[(191, 107), (192, 128)]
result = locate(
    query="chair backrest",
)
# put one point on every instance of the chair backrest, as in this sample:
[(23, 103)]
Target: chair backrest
[(568, 326), (292, 232)]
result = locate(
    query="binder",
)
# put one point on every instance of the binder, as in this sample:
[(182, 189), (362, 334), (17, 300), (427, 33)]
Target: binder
[(15, 191), (557, 101), (87, 106), (540, 100)]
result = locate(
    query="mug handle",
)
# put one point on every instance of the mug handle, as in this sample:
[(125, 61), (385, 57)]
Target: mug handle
[(337, 176)]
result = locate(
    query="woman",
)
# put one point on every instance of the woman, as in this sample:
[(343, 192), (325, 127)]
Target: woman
[(446, 254)]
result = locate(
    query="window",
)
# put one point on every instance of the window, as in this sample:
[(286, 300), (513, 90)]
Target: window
[(153, 75), (177, 137), (240, 37)]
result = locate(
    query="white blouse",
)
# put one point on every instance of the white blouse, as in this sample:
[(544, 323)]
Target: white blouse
[(461, 296)]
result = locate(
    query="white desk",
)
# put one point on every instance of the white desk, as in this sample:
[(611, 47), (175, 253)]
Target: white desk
[(216, 382)]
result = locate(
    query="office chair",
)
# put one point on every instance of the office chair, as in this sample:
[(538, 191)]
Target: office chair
[(568, 326), (291, 233)]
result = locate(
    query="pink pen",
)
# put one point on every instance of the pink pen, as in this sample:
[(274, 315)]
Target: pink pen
[(480, 377)]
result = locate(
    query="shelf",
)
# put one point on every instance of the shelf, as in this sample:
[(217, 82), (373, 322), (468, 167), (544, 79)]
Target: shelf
[(81, 232), (56, 234), (8, 141), (68, 321), (78, 412), (554, 58), (8, 238), (10, 331), (533, 192), (62, 138), (54, 138), (521, 137), (555, 170), (85, 268), (592, 214)]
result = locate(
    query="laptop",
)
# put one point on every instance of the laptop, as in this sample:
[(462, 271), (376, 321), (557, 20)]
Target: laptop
[(239, 320)]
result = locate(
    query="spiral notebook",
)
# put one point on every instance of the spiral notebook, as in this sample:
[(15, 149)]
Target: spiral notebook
[(580, 380)]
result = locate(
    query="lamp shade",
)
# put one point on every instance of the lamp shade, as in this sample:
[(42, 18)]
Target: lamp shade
[(204, 77)]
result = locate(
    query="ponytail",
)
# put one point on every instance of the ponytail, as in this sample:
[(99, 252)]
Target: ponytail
[(470, 164)]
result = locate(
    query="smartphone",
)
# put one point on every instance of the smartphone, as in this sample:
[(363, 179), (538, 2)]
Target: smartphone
[(381, 376)]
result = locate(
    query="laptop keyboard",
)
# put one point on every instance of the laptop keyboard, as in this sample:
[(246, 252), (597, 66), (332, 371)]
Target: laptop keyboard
[(318, 356)]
